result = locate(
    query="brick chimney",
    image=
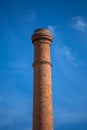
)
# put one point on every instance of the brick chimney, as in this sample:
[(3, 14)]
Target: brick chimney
[(42, 100)]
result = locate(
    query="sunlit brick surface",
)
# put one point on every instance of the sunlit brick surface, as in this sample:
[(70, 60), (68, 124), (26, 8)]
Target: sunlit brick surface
[(42, 100)]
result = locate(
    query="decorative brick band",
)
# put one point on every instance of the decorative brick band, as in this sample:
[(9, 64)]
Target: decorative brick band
[(41, 62), (42, 40)]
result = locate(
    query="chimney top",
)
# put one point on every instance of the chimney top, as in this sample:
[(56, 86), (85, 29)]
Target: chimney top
[(42, 34), (44, 30)]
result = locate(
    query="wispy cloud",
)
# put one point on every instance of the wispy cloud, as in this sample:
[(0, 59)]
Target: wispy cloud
[(26, 20), (68, 54), (0, 99), (16, 108), (19, 65), (70, 117), (53, 30), (28, 128), (64, 51), (30, 16), (79, 23)]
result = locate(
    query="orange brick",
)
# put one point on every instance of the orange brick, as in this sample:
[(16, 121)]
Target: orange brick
[(42, 100)]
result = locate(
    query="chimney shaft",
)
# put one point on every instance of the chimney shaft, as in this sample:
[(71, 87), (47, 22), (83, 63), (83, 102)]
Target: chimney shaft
[(42, 100)]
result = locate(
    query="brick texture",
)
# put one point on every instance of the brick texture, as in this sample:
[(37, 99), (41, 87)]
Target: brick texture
[(42, 100)]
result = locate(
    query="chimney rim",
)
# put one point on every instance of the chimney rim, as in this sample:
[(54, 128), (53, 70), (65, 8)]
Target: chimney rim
[(42, 29)]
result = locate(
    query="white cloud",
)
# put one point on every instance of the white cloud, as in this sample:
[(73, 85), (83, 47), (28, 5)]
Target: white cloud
[(79, 23), (28, 128), (27, 19), (68, 54), (0, 99), (30, 16), (18, 109), (53, 30), (19, 65), (70, 117)]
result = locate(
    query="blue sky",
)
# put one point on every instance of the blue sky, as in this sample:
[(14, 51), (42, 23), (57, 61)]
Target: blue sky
[(67, 21)]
